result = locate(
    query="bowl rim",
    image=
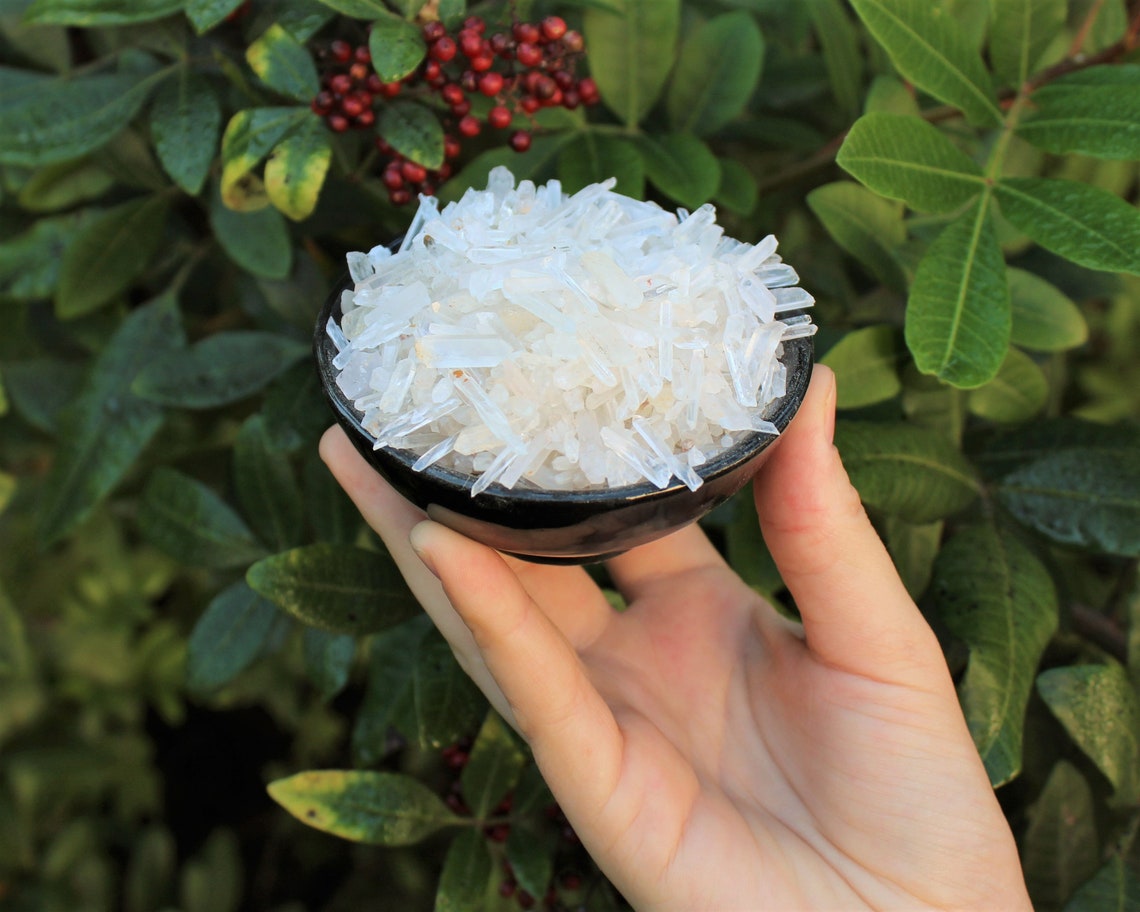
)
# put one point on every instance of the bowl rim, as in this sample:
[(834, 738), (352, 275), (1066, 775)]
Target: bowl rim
[(780, 412)]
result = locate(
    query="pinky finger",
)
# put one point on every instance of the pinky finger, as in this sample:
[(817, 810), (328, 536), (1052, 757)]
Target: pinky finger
[(550, 699)]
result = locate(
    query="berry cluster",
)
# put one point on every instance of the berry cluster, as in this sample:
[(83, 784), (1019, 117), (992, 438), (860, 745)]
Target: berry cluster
[(526, 68)]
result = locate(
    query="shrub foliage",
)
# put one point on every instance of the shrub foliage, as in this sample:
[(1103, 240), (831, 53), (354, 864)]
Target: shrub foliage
[(192, 617)]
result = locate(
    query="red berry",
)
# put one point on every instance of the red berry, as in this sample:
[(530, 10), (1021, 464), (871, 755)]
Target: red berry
[(588, 90), (432, 71), (526, 32), (462, 109), (553, 28), (340, 51), (475, 24), (362, 54), (393, 178), (359, 71), (563, 79), (444, 172), (427, 189), (544, 88), (414, 174), (469, 80), (469, 126), (400, 197), (341, 84), (571, 881), (525, 900), (507, 889), (452, 93), (323, 103), (482, 63), (530, 104), (434, 30), (573, 42), (383, 146), (451, 147), (491, 84), (338, 123), (571, 99), (499, 117), (443, 50), (390, 89), (471, 43), (374, 84), (498, 833), (499, 43), (351, 106), (529, 55), (520, 141)]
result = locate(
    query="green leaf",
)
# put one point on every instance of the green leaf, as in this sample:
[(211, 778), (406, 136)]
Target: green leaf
[(906, 471), (931, 50), (185, 122), (335, 588), (64, 185), (536, 164), (739, 191), (864, 224), (958, 317), (358, 9), (842, 53), (1089, 498), (716, 73), (631, 52), (493, 768), (283, 64), (1101, 712), (1060, 845), (328, 660), (908, 159), (332, 514), (187, 520), (592, 157), (293, 409), (466, 874), (1021, 32), (40, 388), (681, 166), (249, 137), (397, 48), (1017, 393), (414, 131), (88, 13), (378, 808), (266, 490), (297, 168), (866, 364), (109, 254), (205, 14), (913, 550), (46, 122), (389, 692), (889, 95), (30, 262), (107, 425), (1084, 224), (997, 597), (223, 368), (258, 241), (1115, 888), (448, 705), (530, 852), (1044, 319), (1098, 120), (15, 656), (229, 635)]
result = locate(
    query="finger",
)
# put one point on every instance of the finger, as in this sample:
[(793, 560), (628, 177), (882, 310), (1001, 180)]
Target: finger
[(549, 696), (636, 573), (567, 593), (857, 614)]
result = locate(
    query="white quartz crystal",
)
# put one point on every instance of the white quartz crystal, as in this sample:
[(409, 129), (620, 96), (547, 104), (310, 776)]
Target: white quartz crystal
[(530, 338)]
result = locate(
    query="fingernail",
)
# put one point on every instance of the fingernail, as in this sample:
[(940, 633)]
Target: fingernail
[(415, 538)]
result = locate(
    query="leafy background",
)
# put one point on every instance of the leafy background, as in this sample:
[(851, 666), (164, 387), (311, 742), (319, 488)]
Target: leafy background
[(195, 629)]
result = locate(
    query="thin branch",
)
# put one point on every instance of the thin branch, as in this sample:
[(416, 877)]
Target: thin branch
[(1100, 630)]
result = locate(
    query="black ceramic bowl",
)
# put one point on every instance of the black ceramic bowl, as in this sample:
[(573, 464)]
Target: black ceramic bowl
[(561, 527)]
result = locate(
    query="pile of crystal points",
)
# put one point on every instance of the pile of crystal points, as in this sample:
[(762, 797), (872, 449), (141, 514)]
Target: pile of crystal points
[(533, 339)]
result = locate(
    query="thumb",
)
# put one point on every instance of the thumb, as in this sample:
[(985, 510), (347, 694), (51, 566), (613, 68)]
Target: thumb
[(856, 612)]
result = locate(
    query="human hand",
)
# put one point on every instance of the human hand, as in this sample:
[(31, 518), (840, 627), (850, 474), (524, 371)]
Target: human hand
[(710, 754)]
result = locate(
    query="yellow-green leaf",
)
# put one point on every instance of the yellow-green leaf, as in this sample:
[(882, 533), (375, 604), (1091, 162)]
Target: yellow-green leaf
[(297, 168), (1044, 319), (379, 808), (1017, 393), (866, 364), (283, 64)]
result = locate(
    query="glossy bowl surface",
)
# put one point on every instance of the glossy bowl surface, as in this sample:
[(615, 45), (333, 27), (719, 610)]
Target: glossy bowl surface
[(566, 527)]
